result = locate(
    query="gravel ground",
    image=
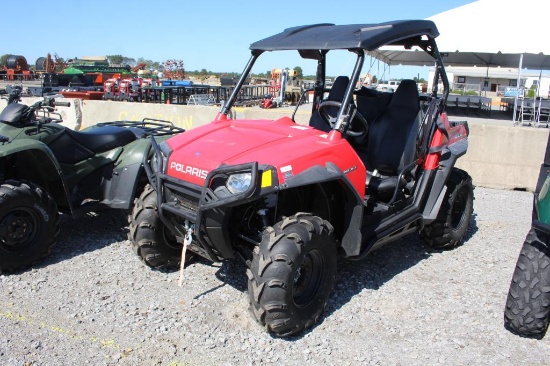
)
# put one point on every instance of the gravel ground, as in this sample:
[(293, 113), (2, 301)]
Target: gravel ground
[(93, 301)]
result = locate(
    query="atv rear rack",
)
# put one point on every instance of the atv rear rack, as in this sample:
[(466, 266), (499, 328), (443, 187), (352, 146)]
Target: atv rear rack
[(149, 126)]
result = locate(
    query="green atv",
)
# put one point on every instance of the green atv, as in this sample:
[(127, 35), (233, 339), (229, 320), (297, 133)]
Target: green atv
[(527, 311), (46, 168)]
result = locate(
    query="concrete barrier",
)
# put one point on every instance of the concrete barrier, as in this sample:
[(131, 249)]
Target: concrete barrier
[(502, 157), (85, 113), (187, 117)]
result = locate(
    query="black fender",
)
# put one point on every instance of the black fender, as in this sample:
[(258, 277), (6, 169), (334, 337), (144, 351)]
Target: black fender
[(33, 161), (350, 205), (129, 176), (119, 192), (447, 162)]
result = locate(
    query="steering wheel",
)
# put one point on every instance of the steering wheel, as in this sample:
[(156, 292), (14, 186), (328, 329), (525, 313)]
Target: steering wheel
[(324, 113), (332, 120)]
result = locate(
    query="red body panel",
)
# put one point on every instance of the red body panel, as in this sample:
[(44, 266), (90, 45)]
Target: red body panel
[(432, 159), (289, 147), (455, 134)]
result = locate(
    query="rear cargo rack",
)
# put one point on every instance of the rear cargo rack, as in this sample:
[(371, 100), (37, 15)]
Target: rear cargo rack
[(149, 126)]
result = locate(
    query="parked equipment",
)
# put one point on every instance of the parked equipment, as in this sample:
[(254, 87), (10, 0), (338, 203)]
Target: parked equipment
[(268, 102), (289, 199), (129, 90), (111, 89), (46, 168), (284, 87), (15, 67)]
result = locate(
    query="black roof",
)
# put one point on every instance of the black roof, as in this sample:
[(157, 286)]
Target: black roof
[(353, 36)]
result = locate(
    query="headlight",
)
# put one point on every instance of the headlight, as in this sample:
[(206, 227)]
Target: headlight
[(238, 183)]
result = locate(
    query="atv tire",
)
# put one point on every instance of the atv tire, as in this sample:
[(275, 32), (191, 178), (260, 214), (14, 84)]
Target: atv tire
[(527, 310), (453, 219), (292, 274), (29, 224), (151, 239)]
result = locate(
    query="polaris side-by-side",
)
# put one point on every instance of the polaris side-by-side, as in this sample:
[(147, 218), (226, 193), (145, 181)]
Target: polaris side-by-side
[(46, 168), (290, 198)]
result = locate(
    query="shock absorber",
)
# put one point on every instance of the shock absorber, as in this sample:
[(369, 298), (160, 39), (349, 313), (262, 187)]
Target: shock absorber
[(269, 210), (263, 214)]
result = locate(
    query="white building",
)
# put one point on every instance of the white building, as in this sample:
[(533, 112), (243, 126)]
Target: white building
[(501, 81)]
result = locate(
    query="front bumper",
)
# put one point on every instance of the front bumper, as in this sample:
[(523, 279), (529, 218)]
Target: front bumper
[(205, 209)]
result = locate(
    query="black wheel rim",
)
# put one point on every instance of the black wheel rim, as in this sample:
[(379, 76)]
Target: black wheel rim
[(307, 278), (18, 229), (458, 212)]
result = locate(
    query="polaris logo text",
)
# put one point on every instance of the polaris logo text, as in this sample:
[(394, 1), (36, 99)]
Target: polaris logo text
[(186, 169)]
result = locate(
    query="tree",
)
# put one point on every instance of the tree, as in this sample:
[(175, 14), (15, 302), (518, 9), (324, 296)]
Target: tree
[(121, 60), (299, 71), (128, 61), (3, 59), (173, 69), (149, 64), (115, 59)]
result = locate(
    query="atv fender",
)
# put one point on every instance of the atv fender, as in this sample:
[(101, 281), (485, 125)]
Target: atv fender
[(352, 204), (135, 151), (121, 190), (33, 161)]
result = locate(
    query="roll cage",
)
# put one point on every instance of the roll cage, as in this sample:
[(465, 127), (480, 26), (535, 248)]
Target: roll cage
[(315, 41)]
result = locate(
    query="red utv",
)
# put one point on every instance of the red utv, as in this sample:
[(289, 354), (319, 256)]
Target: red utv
[(289, 199), (130, 90), (110, 89)]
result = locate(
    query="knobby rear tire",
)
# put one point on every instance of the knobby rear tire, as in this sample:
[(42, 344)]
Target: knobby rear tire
[(453, 219), (29, 224)]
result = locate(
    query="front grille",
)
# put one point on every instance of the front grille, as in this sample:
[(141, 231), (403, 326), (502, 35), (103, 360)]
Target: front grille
[(187, 201), (186, 197)]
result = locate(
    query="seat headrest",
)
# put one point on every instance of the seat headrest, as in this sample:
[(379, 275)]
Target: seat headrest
[(406, 95), (338, 89)]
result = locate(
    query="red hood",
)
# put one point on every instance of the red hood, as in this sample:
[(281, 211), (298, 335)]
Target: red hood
[(282, 143)]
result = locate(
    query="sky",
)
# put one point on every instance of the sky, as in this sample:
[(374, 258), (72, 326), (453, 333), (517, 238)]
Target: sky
[(214, 35)]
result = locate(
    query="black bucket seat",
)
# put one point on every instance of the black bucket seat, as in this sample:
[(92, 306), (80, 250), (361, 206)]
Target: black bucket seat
[(391, 143), (336, 93)]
